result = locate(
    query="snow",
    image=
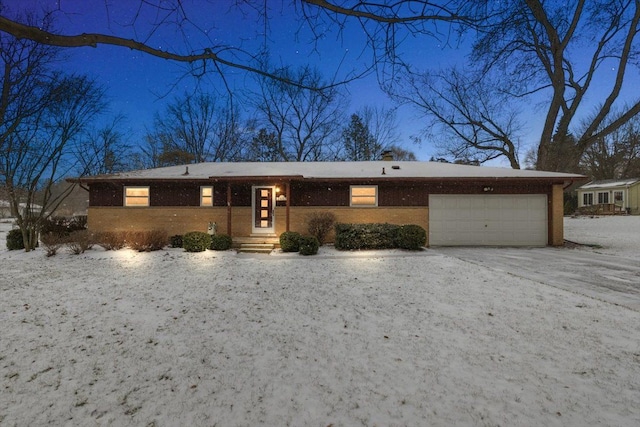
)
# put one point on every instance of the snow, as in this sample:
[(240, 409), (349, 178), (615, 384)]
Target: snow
[(609, 183), (331, 170), (384, 338)]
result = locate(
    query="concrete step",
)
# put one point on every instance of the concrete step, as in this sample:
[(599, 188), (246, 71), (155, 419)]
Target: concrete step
[(262, 248)]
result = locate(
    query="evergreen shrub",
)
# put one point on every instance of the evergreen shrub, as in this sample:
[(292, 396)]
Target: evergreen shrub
[(366, 236), (14, 240), (176, 241), (309, 245), (290, 241), (221, 242), (196, 241), (412, 237)]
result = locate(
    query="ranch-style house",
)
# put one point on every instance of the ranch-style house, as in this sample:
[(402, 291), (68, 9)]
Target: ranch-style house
[(456, 204)]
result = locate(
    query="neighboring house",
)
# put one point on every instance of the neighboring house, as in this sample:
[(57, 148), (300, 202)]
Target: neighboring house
[(610, 196), (5, 208), (456, 204)]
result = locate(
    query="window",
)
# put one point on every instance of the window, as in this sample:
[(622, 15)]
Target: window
[(364, 195), (587, 199), (603, 198), (136, 196), (617, 196), (206, 196)]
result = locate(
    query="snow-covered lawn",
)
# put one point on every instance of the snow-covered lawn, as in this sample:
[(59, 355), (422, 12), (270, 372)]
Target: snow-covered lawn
[(372, 338)]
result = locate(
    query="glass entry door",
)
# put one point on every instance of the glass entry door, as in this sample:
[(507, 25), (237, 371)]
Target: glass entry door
[(263, 209)]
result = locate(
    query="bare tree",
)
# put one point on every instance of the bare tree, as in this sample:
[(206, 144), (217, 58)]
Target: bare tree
[(382, 123), (531, 51), (140, 27), (104, 150), (305, 123), (193, 128), (40, 150), (469, 119), (615, 156)]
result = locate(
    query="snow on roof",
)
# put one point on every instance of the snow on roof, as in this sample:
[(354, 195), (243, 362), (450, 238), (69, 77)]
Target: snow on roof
[(329, 170), (609, 183)]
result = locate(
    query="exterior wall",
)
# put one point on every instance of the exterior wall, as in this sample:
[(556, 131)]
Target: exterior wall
[(556, 216), (175, 220), (634, 199), (392, 215)]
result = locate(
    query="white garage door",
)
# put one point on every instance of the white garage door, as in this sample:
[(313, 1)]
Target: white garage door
[(492, 220)]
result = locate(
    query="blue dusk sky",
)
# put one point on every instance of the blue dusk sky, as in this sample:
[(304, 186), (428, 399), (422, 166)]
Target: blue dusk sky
[(139, 85)]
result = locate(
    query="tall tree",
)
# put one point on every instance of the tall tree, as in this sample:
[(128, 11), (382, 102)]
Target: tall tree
[(615, 156), (42, 112), (359, 143), (41, 150), (193, 128), (468, 120), (530, 52), (104, 150), (304, 122), (263, 147)]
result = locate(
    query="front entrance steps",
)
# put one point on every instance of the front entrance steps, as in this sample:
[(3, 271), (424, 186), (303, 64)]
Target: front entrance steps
[(256, 244)]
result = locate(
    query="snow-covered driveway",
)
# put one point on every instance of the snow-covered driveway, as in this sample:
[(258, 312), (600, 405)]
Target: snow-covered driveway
[(610, 278)]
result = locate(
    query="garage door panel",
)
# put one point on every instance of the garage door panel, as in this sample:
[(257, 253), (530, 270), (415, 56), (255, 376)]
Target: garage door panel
[(491, 220)]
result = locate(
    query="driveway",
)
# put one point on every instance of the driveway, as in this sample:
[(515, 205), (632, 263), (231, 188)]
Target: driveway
[(608, 278)]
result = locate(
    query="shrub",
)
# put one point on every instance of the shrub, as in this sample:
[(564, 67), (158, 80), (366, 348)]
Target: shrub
[(111, 240), (309, 245), (77, 223), (63, 226), (412, 237), (54, 225), (52, 242), (14, 240), (147, 241), (319, 224), (176, 241), (221, 242), (366, 236), (196, 241), (79, 241), (290, 241)]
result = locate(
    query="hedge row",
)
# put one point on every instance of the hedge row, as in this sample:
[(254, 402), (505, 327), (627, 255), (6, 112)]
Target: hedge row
[(379, 236)]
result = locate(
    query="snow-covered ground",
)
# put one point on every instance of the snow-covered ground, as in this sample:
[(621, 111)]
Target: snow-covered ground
[(370, 338)]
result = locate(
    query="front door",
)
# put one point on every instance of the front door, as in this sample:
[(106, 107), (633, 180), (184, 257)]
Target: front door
[(263, 209)]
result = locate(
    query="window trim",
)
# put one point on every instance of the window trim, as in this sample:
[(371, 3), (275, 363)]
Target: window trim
[(202, 196), (602, 195), (587, 195), (137, 205), (621, 199), (351, 196)]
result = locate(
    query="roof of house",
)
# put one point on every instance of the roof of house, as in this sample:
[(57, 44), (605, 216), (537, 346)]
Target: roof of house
[(610, 183), (374, 170)]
